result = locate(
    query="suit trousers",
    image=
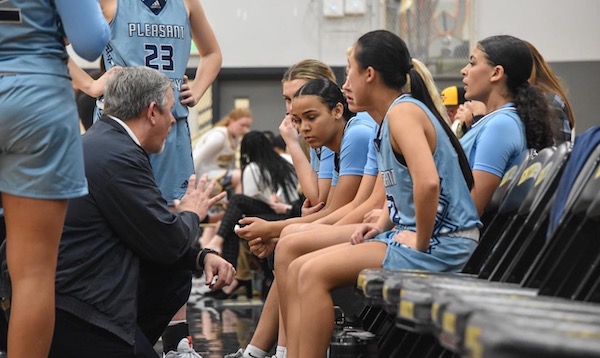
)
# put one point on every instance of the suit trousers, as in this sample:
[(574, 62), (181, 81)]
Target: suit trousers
[(162, 291)]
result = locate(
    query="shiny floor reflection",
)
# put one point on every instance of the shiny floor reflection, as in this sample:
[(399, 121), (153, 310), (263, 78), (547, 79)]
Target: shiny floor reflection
[(219, 327)]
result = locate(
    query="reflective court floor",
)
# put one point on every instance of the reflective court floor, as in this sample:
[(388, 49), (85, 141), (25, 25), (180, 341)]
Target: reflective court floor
[(221, 326)]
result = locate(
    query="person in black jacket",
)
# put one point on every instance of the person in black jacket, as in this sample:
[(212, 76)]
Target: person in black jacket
[(125, 259)]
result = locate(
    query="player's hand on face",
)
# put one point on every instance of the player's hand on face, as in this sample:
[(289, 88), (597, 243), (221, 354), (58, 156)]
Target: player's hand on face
[(288, 131)]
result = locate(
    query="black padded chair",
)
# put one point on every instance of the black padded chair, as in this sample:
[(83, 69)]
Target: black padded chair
[(454, 310), (588, 289), (531, 221), (533, 198), (578, 243), (370, 282), (419, 305), (500, 238), (370, 286), (506, 184), (581, 196), (418, 317), (496, 215), (562, 269), (493, 334)]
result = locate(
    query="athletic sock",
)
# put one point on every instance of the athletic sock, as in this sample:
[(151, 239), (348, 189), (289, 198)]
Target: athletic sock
[(254, 352), (281, 352)]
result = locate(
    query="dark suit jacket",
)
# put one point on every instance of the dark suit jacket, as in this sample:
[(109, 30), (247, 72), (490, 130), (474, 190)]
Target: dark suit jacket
[(122, 221)]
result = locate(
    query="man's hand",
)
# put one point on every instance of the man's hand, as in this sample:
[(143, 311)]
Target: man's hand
[(215, 265), (197, 197)]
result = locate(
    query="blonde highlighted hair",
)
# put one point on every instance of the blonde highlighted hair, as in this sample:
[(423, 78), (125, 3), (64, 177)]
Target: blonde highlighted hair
[(233, 116), (308, 70), (432, 89)]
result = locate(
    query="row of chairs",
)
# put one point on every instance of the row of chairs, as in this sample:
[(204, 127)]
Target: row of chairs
[(532, 286)]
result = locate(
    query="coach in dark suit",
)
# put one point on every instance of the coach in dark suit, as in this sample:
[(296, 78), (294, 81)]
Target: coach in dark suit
[(125, 259)]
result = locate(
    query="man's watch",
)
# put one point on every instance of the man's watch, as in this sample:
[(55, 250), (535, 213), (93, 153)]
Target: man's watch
[(203, 254)]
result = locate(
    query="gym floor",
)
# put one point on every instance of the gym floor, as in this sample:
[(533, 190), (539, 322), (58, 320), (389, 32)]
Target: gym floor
[(219, 327)]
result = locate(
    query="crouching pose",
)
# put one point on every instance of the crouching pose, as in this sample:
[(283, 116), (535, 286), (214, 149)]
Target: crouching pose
[(125, 259)]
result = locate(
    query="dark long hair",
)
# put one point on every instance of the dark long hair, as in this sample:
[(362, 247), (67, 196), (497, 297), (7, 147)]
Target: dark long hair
[(388, 54), (275, 170), (329, 93), (515, 57)]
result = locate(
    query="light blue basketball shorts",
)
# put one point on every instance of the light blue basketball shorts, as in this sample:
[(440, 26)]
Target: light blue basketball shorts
[(445, 254), (41, 154)]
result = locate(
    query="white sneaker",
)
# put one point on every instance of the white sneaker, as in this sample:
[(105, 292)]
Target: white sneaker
[(199, 287), (184, 350)]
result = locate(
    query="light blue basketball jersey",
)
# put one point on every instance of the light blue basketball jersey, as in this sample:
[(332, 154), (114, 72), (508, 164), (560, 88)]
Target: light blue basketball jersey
[(161, 41), (354, 147), (456, 210), (315, 160), (32, 42), (496, 142), (371, 167), (321, 161)]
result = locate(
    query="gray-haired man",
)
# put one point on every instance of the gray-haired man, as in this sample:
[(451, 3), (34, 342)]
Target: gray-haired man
[(125, 260)]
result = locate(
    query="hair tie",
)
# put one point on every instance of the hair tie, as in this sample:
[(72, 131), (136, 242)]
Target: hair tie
[(410, 65)]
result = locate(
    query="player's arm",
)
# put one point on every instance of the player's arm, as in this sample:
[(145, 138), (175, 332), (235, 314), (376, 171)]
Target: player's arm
[(85, 83), (84, 26), (210, 52)]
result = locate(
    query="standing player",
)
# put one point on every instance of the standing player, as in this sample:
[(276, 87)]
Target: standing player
[(158, 34), (41, 159)]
